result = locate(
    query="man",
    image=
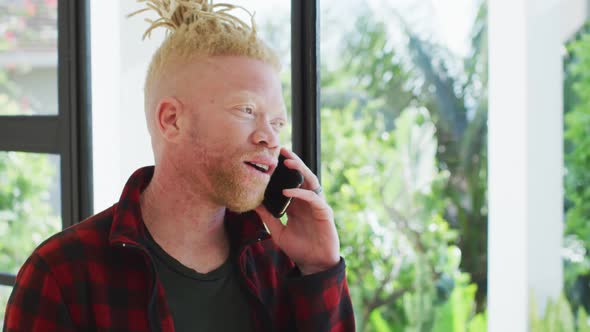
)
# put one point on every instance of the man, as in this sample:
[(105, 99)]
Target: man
[(185, 248)]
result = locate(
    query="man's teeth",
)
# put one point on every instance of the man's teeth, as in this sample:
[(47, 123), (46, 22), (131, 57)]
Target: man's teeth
[(260, 167), (264, 167)]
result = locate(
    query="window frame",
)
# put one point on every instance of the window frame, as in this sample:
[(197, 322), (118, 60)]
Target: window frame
[(305, 78)]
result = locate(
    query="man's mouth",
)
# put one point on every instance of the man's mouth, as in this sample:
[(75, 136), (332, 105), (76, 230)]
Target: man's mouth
[(259, 167)]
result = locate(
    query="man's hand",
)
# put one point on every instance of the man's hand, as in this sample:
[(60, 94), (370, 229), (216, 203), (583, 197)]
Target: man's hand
[(310, 237)]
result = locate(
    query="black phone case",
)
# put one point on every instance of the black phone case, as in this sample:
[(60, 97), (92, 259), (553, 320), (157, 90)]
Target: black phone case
[(282, 178)]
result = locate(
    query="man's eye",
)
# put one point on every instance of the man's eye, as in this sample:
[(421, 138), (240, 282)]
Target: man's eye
[(279, 124), (247, 110)]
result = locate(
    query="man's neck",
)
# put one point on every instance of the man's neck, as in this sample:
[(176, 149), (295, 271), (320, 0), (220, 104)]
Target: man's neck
[(184, 223)]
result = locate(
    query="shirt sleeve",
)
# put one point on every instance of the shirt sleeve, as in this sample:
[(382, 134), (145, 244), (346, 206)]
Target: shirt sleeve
[(36, 303), (321, 301)]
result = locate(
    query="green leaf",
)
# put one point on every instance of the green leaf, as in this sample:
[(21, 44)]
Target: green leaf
[(479, 323), (583, 324), (379, 324)]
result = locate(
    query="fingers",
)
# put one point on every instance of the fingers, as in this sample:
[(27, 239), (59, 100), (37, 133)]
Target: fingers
[(274, 225), (310, 197), (293, 161)]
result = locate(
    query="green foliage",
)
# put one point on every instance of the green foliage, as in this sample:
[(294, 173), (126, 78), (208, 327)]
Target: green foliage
[(558, 317), (378, 323), (578, 158), (455, 314), (384, 187), (577, 163), (582, 322), (25, 215), (373, 65), (404, 168), (457, 103), (419, 305), (390, 79), (479, 323)]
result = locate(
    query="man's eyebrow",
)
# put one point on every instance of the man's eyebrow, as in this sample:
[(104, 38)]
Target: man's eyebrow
[(255, 97), (244, 94), (281, 114)]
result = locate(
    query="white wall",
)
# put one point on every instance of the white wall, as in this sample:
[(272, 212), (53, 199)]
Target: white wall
[(119, 63), (525, 157)]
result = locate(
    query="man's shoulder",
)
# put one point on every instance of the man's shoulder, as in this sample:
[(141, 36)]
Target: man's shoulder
[(76, 242)]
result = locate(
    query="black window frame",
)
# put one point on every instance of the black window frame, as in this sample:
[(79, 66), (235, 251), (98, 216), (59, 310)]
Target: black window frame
[(305, 79)]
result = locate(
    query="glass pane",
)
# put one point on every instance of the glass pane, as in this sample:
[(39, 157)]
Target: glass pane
[(28, 57), (404, 114), (4, 295), (120, 60), (30, 208)]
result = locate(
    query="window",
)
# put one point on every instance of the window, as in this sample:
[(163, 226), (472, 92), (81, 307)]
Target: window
[(43, 127), (403, 158)]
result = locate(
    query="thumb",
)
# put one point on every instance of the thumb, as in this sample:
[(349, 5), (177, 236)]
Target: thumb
[(275, 226)]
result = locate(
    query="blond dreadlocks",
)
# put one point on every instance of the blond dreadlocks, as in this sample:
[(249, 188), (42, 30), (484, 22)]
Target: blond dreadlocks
[(174, 14)]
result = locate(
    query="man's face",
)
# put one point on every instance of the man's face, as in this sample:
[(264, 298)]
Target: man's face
[(234, 114)]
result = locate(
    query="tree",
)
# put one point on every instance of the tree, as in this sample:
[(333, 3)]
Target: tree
[(460, 113), (387, 209), (457, 105), (381, 91)]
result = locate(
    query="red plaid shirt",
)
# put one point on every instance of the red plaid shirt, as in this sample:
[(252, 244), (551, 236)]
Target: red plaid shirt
[(99, 276)]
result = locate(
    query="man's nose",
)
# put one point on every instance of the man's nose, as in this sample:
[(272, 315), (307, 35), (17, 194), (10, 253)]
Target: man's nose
[(265, 135)]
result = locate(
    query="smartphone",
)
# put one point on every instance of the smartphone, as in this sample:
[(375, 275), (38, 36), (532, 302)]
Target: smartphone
[(282, 178)]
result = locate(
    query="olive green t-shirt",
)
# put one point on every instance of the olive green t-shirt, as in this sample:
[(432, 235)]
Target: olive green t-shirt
[(212, 301)]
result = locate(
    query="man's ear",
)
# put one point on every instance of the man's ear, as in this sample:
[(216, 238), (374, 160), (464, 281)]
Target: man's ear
[(168, 113)]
